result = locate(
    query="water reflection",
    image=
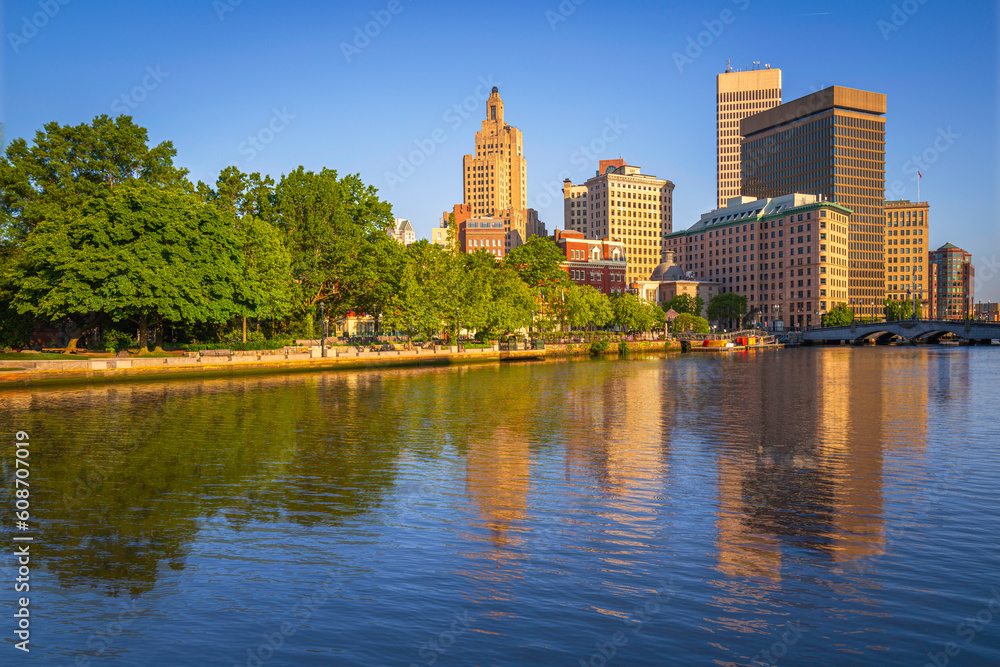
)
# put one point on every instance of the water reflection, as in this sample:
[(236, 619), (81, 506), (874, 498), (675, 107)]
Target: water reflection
[(567, 488)]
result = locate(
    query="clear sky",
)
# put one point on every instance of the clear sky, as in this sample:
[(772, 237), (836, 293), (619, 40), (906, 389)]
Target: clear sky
[(313, 89)]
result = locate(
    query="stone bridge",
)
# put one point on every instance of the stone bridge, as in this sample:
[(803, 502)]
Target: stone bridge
[(927, 331)]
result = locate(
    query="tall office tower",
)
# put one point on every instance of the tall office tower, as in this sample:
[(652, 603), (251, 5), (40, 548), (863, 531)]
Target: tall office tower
[(623, 204), (738, 95), (494, 178), (907, 251), (830, 143)]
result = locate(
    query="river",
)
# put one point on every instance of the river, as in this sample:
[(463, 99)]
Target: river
[(830, 505)]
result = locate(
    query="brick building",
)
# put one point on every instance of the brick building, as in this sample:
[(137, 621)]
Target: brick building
[(597, 263)]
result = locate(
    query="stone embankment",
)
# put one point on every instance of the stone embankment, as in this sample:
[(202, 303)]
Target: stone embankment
[(307, 359)]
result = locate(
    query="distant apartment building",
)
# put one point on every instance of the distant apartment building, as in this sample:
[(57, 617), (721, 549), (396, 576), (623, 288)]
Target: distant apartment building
[(597, 263), (439, 236), (494, 177), (953, 283), (739, 94), (829, 143), (907, 232), (987, 312), (403, 232), (788, 255), (621, 203)]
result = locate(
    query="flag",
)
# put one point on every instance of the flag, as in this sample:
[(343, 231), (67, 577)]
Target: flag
[(920, 175)]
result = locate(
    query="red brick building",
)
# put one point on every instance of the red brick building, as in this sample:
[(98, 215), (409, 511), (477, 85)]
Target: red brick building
[(599, 263)]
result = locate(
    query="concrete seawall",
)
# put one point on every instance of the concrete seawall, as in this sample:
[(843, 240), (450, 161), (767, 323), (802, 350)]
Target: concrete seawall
[(112, 369)]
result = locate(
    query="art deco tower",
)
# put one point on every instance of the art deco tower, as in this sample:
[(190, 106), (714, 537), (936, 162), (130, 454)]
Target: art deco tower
[(494, 177)]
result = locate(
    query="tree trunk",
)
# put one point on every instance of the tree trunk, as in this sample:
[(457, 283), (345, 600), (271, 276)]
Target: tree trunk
[(75, 330), (143, 333), (244, 329), (158, 333)]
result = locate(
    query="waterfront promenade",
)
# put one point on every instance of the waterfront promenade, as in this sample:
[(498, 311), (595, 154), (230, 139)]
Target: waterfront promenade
[(105, 369)]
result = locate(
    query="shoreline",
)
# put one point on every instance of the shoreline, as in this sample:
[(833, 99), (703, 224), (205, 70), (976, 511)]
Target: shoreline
[(25, 373)]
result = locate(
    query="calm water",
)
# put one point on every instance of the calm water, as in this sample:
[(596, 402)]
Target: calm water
[(836, 505)]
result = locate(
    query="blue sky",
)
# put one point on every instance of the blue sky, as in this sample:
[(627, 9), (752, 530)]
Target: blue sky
[(208, 75)]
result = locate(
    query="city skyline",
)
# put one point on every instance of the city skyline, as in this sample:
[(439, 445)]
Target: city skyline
[(321, 94)]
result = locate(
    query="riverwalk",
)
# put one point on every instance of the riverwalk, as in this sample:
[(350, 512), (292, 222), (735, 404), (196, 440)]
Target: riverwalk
[(110, 369)]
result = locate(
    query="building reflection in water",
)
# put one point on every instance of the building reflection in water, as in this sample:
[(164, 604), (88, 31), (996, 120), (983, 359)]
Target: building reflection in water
[(807, 471)]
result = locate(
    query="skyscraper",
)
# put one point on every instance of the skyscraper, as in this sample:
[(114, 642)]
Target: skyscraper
[(830, 143), (494, 177), (738, 95)]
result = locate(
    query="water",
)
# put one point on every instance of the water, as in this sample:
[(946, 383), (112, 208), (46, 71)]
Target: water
[(789, 507)]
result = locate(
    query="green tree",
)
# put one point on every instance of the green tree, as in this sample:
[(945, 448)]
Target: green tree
[(422, 300), (686, 322), (839, 316), (51, 181), (336, 231), (539, 263), (729, 307), (632, 313), (139, 253), (685, 303), (267, 282)]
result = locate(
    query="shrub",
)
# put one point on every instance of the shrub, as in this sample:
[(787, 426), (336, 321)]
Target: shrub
[(623, 348), (598, 347), (116, 341)]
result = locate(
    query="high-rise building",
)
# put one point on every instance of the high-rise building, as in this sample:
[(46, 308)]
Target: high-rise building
[(494, 177), (738, 95), (906, 252), (623, 204), (831, 143), (788, 255), (953, 286)]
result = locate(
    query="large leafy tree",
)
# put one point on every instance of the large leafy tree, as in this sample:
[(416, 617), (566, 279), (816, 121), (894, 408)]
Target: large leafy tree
[(247, 200), (632, 313), (67, 165), (539, 263), (685, 303), (422, 297), (687, 322), (335, 229), (49, 182), (137, 253), (729, 307), (586, 306)]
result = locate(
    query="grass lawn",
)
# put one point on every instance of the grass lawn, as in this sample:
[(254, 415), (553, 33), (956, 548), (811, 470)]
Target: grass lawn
[(44, 356)]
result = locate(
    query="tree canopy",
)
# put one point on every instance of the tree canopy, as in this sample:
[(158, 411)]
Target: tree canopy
[(839, 316), (539, 263), (685, 303), (137, 253), (727, 308)]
